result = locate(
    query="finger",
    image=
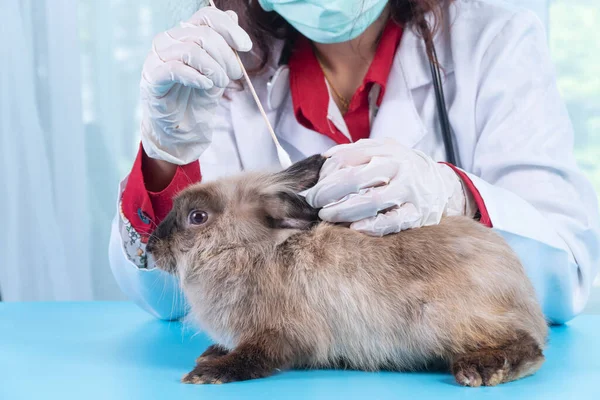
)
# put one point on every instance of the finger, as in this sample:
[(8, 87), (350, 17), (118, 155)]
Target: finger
[(160, 76), (197, 58), (225, 25), (361, 144), (405, 217), (342, 182), (384, 144), (233, 16), (362, 152), (359, 206), (210, 41)]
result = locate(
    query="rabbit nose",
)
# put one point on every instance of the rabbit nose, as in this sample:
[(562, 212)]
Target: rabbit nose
[(151, 245)]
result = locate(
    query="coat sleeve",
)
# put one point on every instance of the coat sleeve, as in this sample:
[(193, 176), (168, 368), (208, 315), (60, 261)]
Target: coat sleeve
[(525, 170), (152, 289)]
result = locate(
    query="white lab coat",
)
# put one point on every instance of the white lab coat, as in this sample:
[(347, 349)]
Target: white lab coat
[(511, 130)]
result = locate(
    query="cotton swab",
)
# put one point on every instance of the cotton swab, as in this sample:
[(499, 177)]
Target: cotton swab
[(284, 158)]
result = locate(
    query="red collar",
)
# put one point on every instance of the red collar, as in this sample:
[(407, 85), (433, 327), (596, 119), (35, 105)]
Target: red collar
[(307, 82)]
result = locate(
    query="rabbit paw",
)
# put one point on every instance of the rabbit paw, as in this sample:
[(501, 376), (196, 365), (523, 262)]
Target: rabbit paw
[(481, 369), (201, 377), (225, 369), (490, 367), (250, 360), (211, 373)]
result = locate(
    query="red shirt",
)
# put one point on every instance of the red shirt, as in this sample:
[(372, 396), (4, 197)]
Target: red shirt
[(310, 97), (145, 209)]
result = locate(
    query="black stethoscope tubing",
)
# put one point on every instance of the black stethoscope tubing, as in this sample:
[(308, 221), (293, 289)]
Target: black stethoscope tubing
[(442, 110)]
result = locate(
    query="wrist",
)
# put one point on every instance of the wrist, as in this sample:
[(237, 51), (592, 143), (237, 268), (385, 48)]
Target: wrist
[(173, 147), (158, 174), (470, 206), (474, 202), (460, 198)]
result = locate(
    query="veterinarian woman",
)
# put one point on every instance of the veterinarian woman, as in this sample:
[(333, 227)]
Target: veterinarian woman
[(353, 79)]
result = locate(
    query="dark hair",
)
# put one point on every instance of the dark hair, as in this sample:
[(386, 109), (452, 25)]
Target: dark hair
[(263, 27)]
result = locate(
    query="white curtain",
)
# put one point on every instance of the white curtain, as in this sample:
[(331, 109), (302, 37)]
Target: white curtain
[(45, 236), (68, 132)]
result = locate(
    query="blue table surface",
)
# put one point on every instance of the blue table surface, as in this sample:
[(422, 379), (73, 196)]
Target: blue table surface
[(104, 350)]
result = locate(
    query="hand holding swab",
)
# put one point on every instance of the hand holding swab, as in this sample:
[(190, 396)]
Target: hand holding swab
[(284, 158)]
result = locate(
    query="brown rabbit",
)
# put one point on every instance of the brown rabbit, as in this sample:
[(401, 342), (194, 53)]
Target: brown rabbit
[(276, 288)]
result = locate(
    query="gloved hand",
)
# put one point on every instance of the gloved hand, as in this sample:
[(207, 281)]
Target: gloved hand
[(382, 187), (183, 79)]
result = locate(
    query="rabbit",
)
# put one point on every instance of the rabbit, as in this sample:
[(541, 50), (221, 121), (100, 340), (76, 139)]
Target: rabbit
[(276, 288)]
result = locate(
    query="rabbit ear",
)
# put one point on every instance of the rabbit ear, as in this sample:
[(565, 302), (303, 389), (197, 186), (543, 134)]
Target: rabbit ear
[(281, 202), (289, 211), (303, 174)]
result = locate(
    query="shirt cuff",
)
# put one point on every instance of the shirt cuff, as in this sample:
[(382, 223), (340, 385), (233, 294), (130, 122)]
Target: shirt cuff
[(485, 217), (145, 209)]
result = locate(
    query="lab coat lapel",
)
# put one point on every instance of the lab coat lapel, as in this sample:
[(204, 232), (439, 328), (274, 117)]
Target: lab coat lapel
[(297, 140), (398, 117)]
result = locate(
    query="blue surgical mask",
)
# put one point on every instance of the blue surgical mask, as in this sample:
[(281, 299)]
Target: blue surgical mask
[(328, 21)]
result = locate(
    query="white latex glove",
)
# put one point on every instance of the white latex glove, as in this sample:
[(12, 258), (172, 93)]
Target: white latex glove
[(382, 187), (183, 79)]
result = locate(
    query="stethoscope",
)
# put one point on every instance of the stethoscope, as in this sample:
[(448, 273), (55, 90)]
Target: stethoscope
[(442, 110), (276, 95)]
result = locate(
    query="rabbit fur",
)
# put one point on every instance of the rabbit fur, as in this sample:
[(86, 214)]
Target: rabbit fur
[(276, 288)]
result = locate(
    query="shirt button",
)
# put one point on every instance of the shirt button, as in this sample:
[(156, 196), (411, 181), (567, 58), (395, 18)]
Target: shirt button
[(143, 217)]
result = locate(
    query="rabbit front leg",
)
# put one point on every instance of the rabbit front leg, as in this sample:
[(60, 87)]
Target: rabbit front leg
[(257, 357)]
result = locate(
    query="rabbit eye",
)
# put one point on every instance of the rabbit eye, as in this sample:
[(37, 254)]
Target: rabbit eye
[(198, 217)]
